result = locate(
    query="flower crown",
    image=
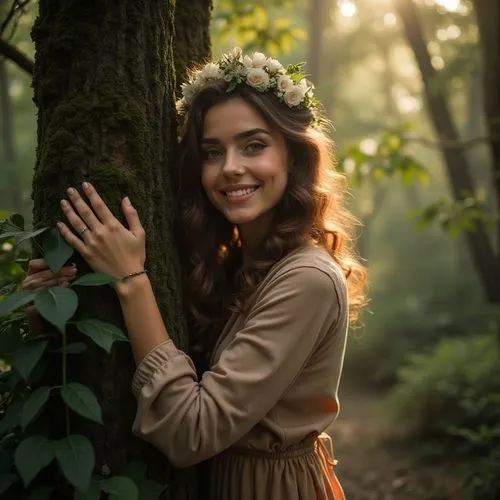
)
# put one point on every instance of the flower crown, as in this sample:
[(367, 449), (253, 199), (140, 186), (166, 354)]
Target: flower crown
[(259, 72)]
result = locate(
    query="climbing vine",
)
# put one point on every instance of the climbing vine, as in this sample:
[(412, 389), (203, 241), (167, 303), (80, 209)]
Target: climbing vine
[(32, 463)]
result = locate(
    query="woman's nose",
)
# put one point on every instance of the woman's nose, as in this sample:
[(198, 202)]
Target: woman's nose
[(233, 164)]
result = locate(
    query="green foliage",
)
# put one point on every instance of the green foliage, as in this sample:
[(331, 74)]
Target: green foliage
[(26, 446), (257, 25), (386, 158), (453, 216), (450, 399)]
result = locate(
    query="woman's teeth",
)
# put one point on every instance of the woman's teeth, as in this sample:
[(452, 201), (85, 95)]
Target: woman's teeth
[(240, 192)]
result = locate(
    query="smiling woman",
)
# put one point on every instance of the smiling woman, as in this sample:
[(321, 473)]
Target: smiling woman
[(273, 282), (245, 167)]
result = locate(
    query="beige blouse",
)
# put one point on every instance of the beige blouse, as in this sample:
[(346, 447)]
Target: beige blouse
[(271, 389)]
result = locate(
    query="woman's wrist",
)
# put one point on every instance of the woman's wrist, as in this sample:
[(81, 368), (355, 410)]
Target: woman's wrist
[(131, 285)]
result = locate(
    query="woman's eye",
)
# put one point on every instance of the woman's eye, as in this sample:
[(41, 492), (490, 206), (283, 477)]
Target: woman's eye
[(255, 147), (211, 154)]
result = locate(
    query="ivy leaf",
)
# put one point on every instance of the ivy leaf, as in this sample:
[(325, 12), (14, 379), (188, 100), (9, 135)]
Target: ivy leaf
[(93, 492), (31, 456), (55, 249), (57, 305), (120, 488), (41, 493), (73, 348), (34, 405), (151, 490), (103, 334), (82, 401), (11, 417), (94, 279), (15, 301), (17, 220), (27, 357), (6, 481), (75, 456)]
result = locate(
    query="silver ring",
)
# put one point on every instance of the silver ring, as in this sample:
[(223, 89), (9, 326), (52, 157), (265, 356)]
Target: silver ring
[(83, 230)]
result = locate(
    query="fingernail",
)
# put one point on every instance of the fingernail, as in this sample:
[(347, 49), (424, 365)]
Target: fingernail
[(86, 185), (127, 201), (71, 191), (59, 225)]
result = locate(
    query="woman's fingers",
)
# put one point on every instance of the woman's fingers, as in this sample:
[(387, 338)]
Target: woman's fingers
[(36, 265), (84, 212), (101, 209), (42, 278)]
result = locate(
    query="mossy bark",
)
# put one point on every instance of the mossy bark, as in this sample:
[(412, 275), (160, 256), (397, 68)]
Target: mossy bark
[(104, 87), (192, 35)]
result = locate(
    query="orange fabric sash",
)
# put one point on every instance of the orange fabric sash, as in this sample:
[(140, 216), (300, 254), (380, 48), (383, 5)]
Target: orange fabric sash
[(324, 450)]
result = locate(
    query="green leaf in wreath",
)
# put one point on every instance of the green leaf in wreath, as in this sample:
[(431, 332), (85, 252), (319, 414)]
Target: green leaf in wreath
[(55, 249), (15, 301), (82, 401), (93, 492), (27, 357), (94, 279), (122, 488), (6, 481), (34, 405), (75, 456), (103, 334), (57, 305), (31, 456)]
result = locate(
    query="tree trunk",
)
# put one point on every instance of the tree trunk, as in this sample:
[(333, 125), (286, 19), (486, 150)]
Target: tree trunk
[(488, 20), (318, 14), (11, 194), (192, 36), (104, 88), (455, 158)]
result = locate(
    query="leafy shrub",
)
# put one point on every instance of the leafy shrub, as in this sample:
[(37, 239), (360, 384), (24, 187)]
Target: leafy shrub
[(449, 399)]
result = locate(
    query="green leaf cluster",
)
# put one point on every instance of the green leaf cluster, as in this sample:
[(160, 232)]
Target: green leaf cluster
[(26, 447)]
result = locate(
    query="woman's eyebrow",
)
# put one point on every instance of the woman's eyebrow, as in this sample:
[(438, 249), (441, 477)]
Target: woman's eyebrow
[(241, 135)]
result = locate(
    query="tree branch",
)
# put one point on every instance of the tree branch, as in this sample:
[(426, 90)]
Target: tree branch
[(14, 9), (12, 53)]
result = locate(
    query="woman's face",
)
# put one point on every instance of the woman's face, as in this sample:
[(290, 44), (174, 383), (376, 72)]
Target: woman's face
[(245, 164)]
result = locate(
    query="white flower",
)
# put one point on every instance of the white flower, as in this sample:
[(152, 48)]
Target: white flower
[(188, 90), (274, 65), (304, 85), (258, 78), (247, 61), (235, 54), (259, 60), (210, 71), (7, 247), (284, 83), (294, 96)]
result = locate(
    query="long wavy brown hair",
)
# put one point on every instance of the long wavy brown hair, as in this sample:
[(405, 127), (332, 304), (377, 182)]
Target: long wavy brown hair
[(312, 210)]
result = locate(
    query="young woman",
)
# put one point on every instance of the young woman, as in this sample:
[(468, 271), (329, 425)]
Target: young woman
[(272, 271)]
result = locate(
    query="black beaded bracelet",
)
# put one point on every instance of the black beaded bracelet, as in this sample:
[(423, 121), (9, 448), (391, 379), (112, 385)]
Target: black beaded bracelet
[(131, 275)]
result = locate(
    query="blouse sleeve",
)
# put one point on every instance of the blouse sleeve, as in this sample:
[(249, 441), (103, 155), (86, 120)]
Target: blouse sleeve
[(190, 420)]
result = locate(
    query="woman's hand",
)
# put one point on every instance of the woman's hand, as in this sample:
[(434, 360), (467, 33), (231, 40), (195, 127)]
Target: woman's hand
[(104, 242), (41, 276)]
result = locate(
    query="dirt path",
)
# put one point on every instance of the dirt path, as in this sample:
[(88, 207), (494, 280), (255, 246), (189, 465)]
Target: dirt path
[(372, 469)]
